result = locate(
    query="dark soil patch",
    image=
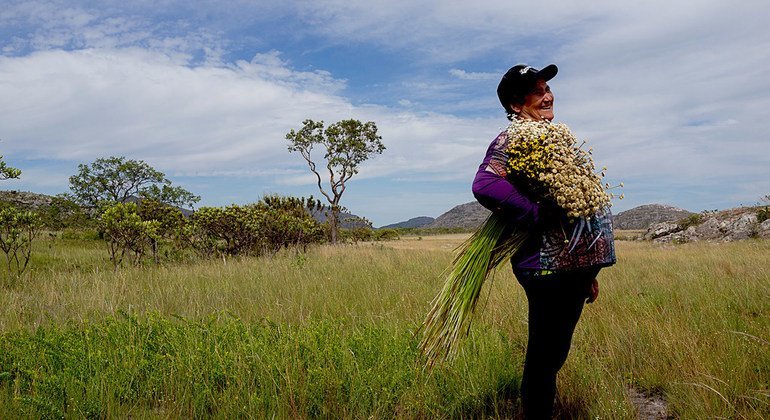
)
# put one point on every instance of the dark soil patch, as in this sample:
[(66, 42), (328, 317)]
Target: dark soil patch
[(648, 407)]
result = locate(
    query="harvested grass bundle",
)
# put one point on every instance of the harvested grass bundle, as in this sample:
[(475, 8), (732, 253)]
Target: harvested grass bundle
[(449, 319)]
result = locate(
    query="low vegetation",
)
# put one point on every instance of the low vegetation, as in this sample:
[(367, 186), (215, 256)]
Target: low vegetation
[(329, 333)]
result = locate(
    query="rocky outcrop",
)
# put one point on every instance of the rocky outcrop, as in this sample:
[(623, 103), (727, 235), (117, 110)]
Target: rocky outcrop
[(661, 229), (26, 200), (728, 225), (465, 216), (644, 216)]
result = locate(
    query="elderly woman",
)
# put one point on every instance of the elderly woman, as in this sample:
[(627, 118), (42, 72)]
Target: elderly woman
[(558, 263)]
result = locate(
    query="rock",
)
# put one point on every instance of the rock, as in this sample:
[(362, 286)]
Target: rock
[(26, 200), (661, 229), (683, 236), (764, 230), (710, 229), (742, 227)]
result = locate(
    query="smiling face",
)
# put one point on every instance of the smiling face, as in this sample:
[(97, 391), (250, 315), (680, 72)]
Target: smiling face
[(538, 104)]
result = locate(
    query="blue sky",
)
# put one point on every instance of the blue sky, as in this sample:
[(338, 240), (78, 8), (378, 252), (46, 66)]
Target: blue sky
[(673, 96)]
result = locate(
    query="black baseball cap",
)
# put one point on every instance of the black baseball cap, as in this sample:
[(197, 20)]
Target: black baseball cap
[(519, 80)]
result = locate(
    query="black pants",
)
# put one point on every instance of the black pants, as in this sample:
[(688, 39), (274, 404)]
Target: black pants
[(555, 304)]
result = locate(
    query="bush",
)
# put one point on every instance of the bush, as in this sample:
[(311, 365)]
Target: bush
[(691, 220), (386, 235), (126, 232), (169, 220), (267, 226), (17, 230), (764, 213), (358, 234)]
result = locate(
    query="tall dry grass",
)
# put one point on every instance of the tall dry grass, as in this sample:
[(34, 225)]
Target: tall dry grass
[(689, 322)]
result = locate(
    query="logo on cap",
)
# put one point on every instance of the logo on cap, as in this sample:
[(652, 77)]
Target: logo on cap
[(525, 70)]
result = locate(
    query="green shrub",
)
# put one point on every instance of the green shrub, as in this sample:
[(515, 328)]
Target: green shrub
[(17, 230), (691, 220), (127, 233), (386, 235), (763, 214), (267, 226)]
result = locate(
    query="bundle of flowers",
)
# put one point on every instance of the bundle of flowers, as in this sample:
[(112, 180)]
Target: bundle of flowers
[(550, 160), (556, 167)]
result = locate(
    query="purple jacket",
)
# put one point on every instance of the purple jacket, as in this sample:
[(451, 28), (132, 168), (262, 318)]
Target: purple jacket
[(554, 242)]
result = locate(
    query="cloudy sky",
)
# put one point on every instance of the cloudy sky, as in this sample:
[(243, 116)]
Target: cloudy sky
[(673, 96)]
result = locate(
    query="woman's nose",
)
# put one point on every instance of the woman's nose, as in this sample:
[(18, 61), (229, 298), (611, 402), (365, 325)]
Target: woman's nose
[(548, 97)]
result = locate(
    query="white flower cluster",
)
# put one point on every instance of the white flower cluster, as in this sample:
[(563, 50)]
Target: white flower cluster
[(555, 165)]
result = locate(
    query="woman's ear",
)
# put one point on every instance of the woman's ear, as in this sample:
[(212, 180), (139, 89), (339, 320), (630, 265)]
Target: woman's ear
[(516, 109)]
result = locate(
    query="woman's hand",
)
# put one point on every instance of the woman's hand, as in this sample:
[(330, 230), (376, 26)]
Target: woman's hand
[(593, 291)]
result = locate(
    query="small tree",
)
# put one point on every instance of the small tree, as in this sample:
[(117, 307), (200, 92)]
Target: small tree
[(231, 230), (126, 232), (116, 179), (169, 221), (17, 230), (286, 222), (348, 143)]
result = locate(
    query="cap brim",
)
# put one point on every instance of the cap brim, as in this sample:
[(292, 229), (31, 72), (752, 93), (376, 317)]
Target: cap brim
[(548, 72)]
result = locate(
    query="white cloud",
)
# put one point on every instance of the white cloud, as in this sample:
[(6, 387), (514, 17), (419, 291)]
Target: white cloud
[(80, 105), (465, 75), (671, 94)]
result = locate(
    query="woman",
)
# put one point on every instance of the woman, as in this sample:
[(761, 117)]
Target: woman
[(558, 263)]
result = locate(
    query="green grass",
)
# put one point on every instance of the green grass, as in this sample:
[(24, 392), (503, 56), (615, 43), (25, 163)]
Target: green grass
[(330, 334), (224, 367)]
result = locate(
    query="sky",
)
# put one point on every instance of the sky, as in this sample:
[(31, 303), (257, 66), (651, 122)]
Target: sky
[(673, 97)]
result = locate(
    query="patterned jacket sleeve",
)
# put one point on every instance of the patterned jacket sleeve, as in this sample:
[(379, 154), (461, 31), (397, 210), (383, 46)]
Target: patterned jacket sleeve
[(495, 192)]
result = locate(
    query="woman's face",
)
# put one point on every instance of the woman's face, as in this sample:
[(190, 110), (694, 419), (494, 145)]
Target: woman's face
[(538, 104)]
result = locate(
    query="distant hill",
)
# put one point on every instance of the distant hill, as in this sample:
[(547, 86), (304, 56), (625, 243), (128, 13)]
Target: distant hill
[(415, 222), (471, 215), (466, 216), (643, 216)]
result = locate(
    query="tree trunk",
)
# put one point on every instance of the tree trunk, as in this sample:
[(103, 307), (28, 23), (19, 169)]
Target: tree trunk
[(334, 223)]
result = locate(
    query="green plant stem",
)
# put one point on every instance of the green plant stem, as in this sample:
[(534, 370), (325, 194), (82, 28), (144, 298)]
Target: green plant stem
[(449, 319)]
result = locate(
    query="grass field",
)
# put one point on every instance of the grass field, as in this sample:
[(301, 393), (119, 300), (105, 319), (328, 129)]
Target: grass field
[(330, 334)]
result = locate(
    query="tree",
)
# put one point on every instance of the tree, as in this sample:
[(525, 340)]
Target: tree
[(17, 230), (125, 231), (169, 221), (116, 179), (7, 172), (348, 143), (166, 194)]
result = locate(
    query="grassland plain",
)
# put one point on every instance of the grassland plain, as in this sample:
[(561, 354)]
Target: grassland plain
[(330, 334)]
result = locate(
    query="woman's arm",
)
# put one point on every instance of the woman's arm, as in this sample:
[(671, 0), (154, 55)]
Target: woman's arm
[(497, 194)]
